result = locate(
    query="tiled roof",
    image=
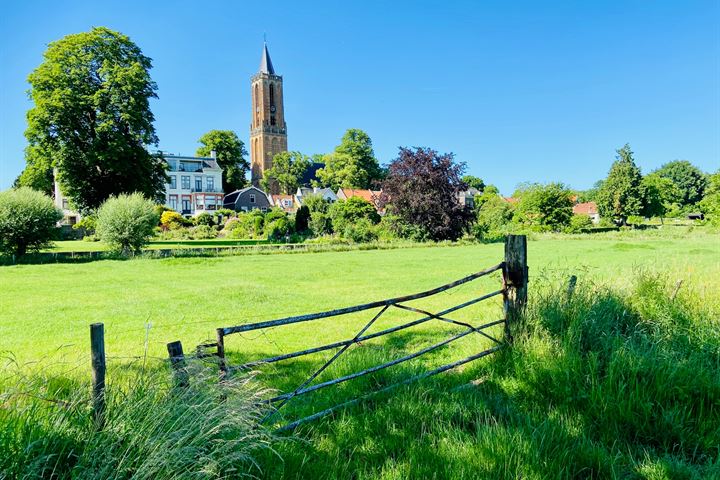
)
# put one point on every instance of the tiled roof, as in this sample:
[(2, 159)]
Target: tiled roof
[(511, 200), (587, 208)]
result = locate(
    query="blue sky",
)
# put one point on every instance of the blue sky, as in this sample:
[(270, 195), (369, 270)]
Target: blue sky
[(520, 91)]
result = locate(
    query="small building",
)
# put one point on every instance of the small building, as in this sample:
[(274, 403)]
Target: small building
[(70, 217), (467, 197), (325, 193), (195, 184), (587, 208), (246, 199), (286, 202)]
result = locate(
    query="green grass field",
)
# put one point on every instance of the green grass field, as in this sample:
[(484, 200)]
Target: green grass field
[(82, 246), (550, 408)]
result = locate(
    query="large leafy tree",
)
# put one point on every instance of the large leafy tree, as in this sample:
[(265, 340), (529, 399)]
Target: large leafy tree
[(91, 111), (545, 207), (622, 193), (710, 204), (422, 189), (230, 151), (38, 172), (352, 164), (689, 181), (659, 193), (287, 172)]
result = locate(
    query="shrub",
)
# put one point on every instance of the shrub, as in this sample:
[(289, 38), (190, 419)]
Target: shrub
[(346, 212), (88, 223), (171, 220), (544, 207), (204, 219), (28, 221), (494, 219), (302, 218), (203, 232), (361, 231), (126, 222), (579, 224), (278, 228)]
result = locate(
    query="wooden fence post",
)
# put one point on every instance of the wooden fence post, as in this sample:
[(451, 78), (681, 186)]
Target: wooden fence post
[(177, 360), (221, 353), (515, 280), (97, 352)]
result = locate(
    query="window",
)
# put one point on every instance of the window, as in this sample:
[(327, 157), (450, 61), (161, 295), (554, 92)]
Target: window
[(65, 204), (263, 209), (173, 202), (185, 179), (186, 205), (252, 198), (198, 184), (272, 95), (210, 184), (173, 181)]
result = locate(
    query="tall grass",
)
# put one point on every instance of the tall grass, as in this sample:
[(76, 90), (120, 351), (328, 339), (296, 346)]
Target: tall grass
[(606, 384), (151, 430)]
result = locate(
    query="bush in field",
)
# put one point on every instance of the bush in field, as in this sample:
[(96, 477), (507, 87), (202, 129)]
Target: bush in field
[(344, 213), (278, 228), (87, 223), (203, 232), (204, 219), (543, 207), (246, 225), (579, 224), (361, 230), (710, 204), (493, 218), (126, 222), (171, 220), (320, 222), (28, 221)]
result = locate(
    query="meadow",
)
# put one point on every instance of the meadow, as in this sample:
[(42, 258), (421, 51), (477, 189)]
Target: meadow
[(619, 382)]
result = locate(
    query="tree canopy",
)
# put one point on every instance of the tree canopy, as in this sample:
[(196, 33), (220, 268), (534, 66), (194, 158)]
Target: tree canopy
[(659, 193), (91, 112), (352, 164), (474, 182), (546, 207), (622, 193), (230, 151), (287, 172), (689, 181), (38, 171), (422, 189)]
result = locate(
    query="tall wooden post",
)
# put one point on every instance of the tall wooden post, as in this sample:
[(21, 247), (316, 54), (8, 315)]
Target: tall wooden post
[(97, 354), (515, 280), (177, 360), (221, 353)]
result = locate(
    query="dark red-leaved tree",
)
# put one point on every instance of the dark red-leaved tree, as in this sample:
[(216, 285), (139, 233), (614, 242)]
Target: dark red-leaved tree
[(422, 189)]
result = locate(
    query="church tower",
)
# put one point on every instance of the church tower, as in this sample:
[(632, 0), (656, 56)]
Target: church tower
[(268, 132)]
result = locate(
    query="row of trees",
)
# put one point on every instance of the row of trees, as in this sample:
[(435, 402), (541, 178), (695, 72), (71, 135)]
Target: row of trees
[(676, 188)]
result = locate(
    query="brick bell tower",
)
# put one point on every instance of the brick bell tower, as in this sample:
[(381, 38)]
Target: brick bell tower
[(268, 132)]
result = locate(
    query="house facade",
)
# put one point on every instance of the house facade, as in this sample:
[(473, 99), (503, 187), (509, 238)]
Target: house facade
[(246, 199), (325, 193), (195, 184), (372, 196), (587, 208), (70, 217), (286, 202)]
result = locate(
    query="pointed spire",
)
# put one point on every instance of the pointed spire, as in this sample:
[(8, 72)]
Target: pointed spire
[(266, 65)]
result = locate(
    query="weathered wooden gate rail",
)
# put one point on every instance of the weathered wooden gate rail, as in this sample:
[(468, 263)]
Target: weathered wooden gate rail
[(514, 291)]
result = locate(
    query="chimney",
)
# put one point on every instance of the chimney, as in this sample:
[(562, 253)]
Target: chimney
[(213, 154)]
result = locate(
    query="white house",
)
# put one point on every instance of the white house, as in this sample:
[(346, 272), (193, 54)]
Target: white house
[(195, 184), (70, 217), (325, 193)]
